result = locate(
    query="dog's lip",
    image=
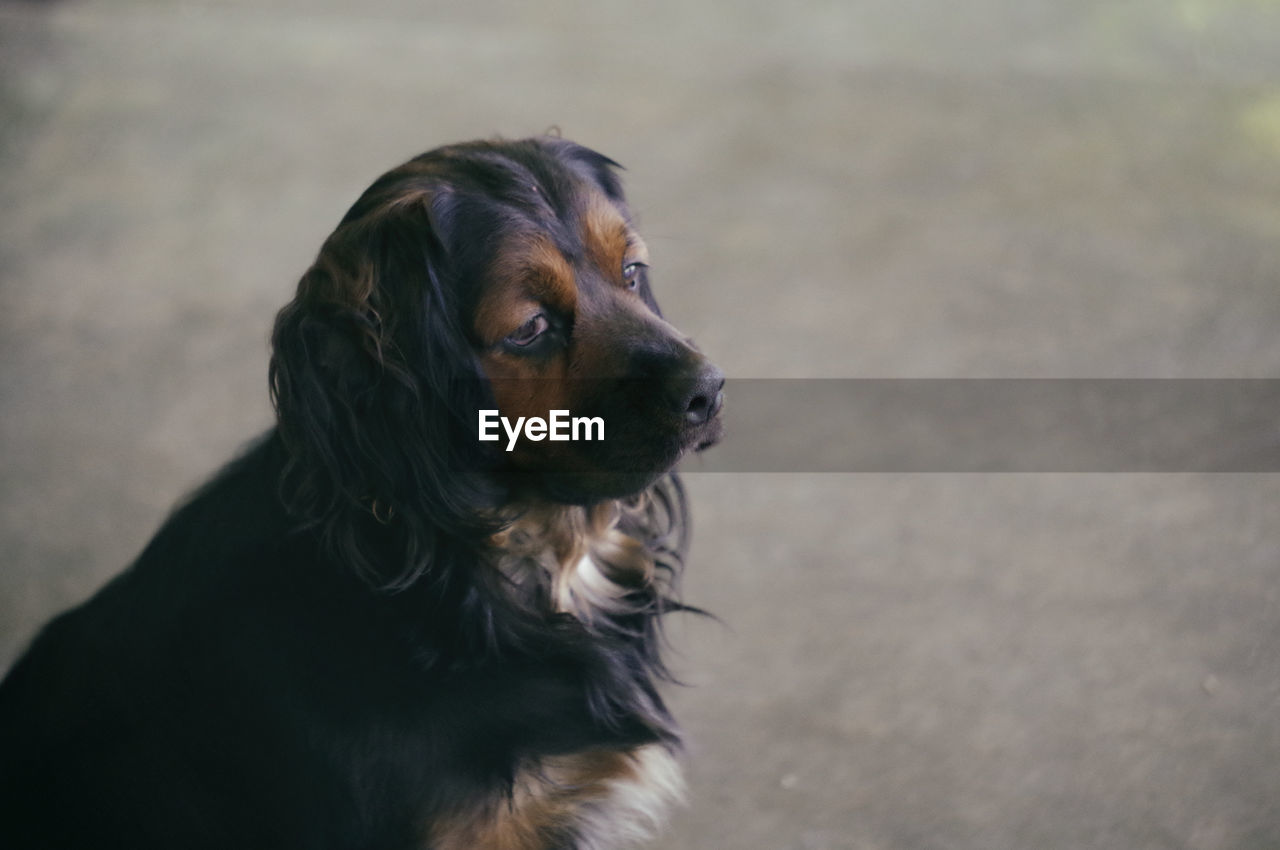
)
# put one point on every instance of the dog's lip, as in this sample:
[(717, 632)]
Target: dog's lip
[(708, 434)]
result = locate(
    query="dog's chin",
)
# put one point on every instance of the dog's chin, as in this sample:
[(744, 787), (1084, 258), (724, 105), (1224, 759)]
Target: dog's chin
[(591, 488), (707, 436), (604, 480), (590, 482)]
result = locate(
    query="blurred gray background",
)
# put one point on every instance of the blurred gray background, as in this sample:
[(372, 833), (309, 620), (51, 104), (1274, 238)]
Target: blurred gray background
[(870, 188)]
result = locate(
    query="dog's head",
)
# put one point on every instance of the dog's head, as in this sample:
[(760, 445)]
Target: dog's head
[(488, 275)]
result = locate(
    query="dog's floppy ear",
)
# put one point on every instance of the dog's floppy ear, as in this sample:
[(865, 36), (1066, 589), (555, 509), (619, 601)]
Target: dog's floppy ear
[(372, 378)]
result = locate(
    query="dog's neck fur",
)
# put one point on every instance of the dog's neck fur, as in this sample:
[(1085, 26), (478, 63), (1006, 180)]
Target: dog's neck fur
[(576, 560), (580, 561)]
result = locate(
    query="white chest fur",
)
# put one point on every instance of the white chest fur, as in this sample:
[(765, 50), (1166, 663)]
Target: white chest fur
[(594, 800), (580, 563)]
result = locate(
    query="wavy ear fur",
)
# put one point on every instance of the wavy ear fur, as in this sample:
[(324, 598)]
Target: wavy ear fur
[(370, 377)]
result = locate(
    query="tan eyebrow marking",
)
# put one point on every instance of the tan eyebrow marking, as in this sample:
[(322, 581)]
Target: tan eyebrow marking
[(610, 241), (637, 251)]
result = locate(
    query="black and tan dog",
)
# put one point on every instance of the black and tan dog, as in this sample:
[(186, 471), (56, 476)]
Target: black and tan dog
[(375, 630)]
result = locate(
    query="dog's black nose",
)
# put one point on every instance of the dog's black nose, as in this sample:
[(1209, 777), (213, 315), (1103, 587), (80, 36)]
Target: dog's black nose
[(706, 395)]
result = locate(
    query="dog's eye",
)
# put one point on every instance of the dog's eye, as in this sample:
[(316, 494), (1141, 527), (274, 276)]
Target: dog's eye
[(631, 274), (529, 331)]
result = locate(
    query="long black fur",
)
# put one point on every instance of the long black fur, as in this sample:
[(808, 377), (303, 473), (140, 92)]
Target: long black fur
[(315, 651)]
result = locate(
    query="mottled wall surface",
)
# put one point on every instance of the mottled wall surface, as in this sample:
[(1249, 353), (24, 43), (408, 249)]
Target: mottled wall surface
[(869, 189)]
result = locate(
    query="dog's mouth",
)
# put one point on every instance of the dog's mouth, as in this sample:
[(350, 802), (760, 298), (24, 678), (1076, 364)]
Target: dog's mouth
[(708, 442), (708, 435), (708, 425), (639, 440), (616, 477)]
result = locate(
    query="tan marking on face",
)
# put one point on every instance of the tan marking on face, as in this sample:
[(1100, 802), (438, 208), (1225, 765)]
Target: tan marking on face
[(609, 240), (597, 795), (528, 276), (527, 386)]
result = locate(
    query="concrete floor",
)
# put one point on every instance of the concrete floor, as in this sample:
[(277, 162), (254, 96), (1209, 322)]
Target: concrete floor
[(874, 188)]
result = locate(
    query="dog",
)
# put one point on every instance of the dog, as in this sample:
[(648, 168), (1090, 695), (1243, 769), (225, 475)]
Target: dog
[(374, 629)]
